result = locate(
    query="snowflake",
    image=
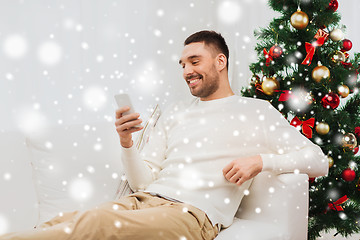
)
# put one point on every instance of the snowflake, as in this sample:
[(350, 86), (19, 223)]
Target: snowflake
[(229, 12), (80, 189), (343, 216), (31, 121), (160, 12), (90, 169), (79, 27), (98, 147), (9, 76), (50, 53), (67, 230), (258, 210), (94, 98), (157, 33), (99, 58), (117, 224), (246, 39), (7, 176), (15, 46)]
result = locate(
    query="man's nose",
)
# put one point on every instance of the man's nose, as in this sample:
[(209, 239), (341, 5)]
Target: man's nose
[(188, 70)]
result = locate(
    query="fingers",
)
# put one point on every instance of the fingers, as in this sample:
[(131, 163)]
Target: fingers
[(235, 178), (126, 124), (242, 169), (232, 174), (126, 119), (238, 178), (120, 111), (241, 181), (132, 130), (125, 127), (119, 114), (227, 168)]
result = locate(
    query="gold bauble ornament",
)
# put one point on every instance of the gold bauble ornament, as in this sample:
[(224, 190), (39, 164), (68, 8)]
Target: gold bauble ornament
[(319, 73), (349, 141), (343, 91), (299, 20), (322, 128), (269, 85), (336, 35), (338, 57), (331, 161)]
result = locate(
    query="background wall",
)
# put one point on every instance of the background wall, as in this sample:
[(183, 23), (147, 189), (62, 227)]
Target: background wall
[(62, 61)]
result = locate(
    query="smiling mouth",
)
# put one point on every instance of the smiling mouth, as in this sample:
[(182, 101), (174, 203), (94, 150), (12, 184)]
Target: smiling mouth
[(194, 81)]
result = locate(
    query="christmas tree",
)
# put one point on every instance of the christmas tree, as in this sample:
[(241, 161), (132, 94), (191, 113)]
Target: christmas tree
[(304, 69)]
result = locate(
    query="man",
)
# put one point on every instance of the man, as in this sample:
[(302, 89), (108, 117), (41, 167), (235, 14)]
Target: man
[(200, 158)]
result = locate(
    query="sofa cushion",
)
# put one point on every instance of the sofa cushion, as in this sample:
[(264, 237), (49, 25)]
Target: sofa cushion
[(74, 167), (77, 167), (251, 230), (18, 208)]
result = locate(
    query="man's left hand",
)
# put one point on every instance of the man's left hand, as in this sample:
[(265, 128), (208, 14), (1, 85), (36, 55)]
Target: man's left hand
[(242, 169)]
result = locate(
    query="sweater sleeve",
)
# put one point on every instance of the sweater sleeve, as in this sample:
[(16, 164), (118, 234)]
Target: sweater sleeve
[(141, 169), (288, 149)]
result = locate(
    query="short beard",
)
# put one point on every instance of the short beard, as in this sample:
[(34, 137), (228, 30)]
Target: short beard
[(211, 85)]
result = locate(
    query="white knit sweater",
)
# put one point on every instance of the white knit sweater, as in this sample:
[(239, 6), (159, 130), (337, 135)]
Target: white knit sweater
[(193, 142)]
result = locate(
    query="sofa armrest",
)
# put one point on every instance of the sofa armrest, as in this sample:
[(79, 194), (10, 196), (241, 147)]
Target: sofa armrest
[(281, 200)]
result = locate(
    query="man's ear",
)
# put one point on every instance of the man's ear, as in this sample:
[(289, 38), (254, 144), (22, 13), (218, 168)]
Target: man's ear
[(221, 62)]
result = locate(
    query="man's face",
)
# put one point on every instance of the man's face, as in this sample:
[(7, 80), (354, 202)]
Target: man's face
[(199, 69)]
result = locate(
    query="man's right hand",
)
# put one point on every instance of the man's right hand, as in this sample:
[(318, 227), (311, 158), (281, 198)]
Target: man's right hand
[(125, 126)]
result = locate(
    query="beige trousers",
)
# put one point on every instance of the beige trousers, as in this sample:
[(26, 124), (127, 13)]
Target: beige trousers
[(138, 216)]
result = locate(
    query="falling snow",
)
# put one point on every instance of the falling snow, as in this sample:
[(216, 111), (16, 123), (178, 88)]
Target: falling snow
[(7, 176), (50, 53), (229, 12), (117, 224), (15, 46), (70, 76), (81, 189), (67, 230)]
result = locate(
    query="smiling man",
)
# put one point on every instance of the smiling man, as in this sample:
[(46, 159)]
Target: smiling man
[(205, 152), (200, 158)]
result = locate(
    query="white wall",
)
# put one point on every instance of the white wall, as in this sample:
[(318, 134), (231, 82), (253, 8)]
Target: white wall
[(94, 49), (133, 46)]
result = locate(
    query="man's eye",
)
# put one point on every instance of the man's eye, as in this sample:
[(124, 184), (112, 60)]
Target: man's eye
[(196, 62)]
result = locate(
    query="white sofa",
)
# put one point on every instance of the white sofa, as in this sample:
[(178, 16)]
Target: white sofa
[(78, 166)]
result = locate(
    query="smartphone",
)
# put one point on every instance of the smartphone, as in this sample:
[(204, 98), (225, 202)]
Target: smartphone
[(123, 100)]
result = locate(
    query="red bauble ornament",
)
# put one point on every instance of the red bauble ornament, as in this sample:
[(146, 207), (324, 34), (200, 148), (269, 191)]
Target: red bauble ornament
[(333, 5), (356, 150), (330, 100), (275, 51), (348, 175), (347, 45), (357, 131), (311, 180)]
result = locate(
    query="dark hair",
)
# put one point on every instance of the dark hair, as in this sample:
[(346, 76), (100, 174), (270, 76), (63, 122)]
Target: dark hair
[(210, 38)]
